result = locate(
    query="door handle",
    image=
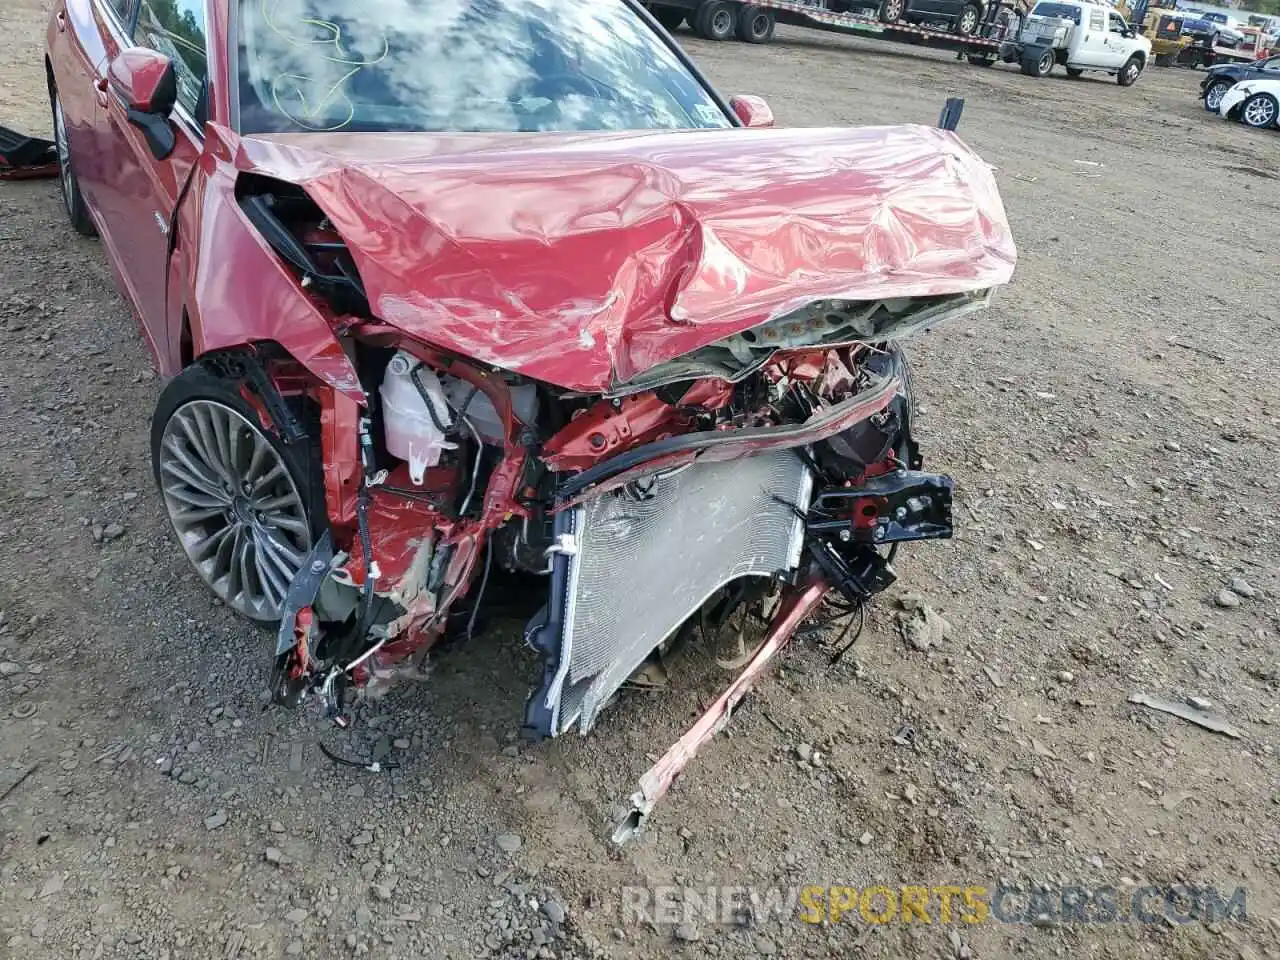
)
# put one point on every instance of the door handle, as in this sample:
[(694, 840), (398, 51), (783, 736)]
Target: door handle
[(60, 18), (100, 91)]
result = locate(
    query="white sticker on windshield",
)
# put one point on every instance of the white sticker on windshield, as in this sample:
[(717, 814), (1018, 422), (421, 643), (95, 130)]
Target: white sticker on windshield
[(709, 115)]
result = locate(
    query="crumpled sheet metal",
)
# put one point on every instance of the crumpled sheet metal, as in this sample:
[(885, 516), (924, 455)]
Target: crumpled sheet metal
[(242, 292), (584, 259)]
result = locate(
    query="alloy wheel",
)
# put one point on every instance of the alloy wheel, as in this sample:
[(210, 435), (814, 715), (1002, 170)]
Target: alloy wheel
[(968, 21), (722, 22), (234, 506), (892, 10), (1213, 98), (1260, 112)]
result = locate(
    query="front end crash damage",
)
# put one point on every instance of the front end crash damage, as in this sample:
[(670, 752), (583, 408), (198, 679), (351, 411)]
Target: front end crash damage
[(710, 416)]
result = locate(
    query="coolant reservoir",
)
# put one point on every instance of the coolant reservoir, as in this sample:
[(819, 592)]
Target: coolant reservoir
[(479, 410), (409, 429)]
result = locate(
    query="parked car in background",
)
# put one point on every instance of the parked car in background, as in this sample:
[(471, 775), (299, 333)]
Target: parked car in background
[(1226, 32), (1221, 78), (960, 16), (1211, 33), (1255, 103)]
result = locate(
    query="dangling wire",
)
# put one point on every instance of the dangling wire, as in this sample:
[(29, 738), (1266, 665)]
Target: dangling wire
[(836, 657), (484, 582)]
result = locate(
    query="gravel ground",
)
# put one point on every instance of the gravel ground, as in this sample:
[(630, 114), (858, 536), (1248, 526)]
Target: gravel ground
[(1113, 426)]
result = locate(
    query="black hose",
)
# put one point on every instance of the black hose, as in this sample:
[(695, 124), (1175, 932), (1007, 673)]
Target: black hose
[(366, 544), (462, 411), (426, 400)]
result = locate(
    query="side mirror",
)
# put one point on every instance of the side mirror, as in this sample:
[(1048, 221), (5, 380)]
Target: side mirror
[(146, 84), (752, 111)]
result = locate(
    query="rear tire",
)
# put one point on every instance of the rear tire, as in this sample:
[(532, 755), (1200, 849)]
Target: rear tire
[(715, 20), (1039, 67), (1130, 72), (1214, 94), (755, 24), (72, 199), (671, 18), (1260, 111), (967, 22)]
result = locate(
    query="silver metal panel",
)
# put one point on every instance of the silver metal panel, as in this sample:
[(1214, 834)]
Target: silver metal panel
[(645, 562)]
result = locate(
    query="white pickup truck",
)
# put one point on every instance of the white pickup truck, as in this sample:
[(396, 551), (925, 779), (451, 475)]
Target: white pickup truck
[(1081, 36)]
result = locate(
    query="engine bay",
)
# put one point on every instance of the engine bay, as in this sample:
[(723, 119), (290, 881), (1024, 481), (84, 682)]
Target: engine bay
[(586, 507)]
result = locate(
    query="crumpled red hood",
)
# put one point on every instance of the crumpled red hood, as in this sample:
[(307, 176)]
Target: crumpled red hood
[(584, 259)]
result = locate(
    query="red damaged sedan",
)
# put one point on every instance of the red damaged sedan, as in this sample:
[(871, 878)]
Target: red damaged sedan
[(479, 301)]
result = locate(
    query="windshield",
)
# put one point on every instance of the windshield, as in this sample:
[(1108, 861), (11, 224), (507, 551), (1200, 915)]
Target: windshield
[(1062, 11), (459, 65)]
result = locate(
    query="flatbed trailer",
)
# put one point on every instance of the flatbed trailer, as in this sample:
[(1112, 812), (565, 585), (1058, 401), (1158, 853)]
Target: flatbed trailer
[(754, 22), (1205, 55)]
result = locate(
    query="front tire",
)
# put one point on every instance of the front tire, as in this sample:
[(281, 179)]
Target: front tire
[(1260, 111), (755, 24), (1074, 73), (1214, 94), (715, 20), (72, 199), (1130, 72), (245, 507)]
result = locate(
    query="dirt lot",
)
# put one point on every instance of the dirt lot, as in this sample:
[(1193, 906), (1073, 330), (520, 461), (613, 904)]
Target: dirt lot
[(1114, 427)]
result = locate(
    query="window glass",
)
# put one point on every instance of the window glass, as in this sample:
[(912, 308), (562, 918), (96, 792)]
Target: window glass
[(459, 65), (1272, 65), (1096, 21), (176, 29), (1061, 11), (124, 10), (1117, 23)]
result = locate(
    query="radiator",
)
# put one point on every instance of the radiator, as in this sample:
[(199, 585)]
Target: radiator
[(637, 562)]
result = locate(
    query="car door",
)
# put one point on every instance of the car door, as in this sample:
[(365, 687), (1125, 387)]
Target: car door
[(1117, 43), (1090, 50), (138, 191), (78, 49), (930, 8)]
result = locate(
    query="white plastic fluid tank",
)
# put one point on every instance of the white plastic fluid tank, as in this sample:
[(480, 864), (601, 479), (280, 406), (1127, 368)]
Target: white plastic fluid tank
[(408, 428)]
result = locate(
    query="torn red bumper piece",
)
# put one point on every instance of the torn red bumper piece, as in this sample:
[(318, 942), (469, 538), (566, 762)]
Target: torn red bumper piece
[(795, 606)]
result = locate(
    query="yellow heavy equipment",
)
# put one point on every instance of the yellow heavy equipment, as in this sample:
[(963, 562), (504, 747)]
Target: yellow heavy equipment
[(1161, 23)]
